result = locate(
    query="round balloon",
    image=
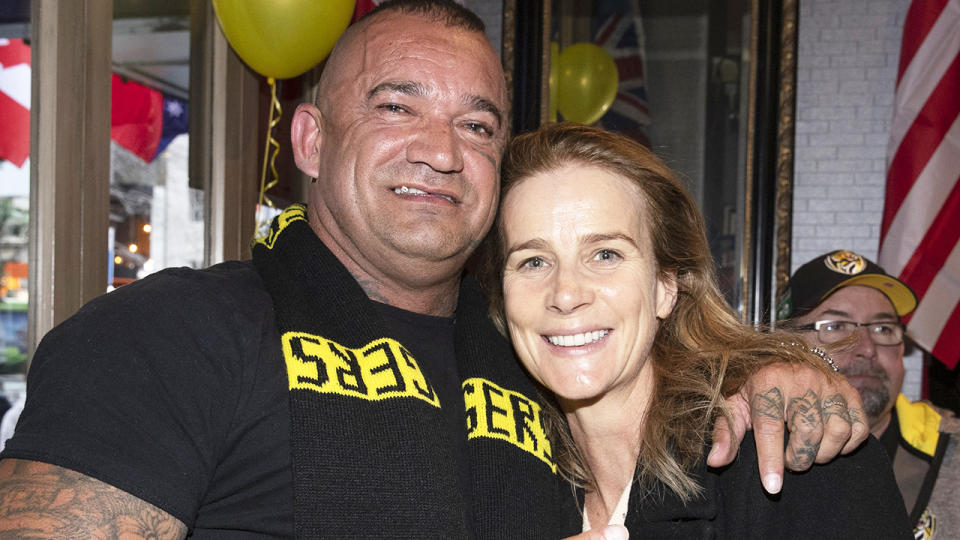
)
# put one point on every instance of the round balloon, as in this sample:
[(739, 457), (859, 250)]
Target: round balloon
[(554, 68), (283, 39), (586, 82)]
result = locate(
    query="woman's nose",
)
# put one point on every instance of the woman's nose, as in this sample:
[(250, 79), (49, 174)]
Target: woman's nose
[(570, 291)]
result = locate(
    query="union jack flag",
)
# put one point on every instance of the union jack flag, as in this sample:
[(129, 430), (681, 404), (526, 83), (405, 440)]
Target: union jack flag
[(620, 32)]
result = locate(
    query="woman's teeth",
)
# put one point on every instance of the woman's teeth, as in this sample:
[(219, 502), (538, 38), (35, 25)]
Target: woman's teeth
[(576, 340)]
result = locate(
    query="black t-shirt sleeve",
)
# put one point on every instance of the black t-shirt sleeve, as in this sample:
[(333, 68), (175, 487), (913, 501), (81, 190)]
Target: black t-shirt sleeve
[(853, 496), (140, 388)]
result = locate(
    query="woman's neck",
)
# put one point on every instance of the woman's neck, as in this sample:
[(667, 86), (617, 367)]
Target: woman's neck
[(608, 432)]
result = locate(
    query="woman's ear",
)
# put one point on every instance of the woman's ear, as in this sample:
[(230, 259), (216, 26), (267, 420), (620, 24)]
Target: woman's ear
[(306, 138), (666, 293)]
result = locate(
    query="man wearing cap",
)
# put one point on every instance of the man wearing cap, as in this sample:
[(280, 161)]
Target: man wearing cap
[(851, 307)]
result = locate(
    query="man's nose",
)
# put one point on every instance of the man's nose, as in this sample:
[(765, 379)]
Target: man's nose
[(570, 291), (437, 146), (864, 345)]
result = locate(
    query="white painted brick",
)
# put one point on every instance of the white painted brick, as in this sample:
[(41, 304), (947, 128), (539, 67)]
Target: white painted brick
[(865, 21), (825, 179), (837, 205), (810, 153), (869, 179), (814, 216), (873, 205), (843, 165), (804, 230), (853, 192), (812, 60), (854, 152), (807, 126), (843, 231), (810, 192), (833, 48), (802, 166), (853, 100), (848, 33), (856, 58), (839, 74), (885, 73), (851, 126), (875, 46), (850, 218), (876, 139), (827, 113), (836, 139), (883, 99), (823, 87), (875, 112)]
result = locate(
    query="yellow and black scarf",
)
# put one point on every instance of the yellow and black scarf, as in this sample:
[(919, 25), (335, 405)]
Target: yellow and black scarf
[(368, 460)]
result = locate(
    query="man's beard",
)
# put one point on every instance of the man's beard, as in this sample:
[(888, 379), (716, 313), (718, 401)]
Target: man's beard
[(875, 397)]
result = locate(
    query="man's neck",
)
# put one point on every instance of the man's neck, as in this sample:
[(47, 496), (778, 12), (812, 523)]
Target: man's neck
[(436, 301), (878, 427), (429, 289)]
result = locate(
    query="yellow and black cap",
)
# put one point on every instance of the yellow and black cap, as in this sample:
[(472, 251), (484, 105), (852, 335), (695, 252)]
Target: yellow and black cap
[(816, 280)]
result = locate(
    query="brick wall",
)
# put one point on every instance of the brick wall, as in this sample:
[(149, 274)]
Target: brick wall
[(846, 71)]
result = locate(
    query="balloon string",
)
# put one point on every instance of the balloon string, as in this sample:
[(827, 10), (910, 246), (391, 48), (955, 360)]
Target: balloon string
[(271, 140)]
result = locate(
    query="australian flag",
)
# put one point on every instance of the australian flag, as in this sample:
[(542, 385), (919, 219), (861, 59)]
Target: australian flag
[(619, 30)]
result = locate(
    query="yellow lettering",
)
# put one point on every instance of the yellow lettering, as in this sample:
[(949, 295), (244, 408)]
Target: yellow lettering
[(373, 372), (499, 413), (291, 214)]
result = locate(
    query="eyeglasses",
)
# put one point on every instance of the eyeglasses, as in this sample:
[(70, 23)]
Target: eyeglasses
[(881, 333)]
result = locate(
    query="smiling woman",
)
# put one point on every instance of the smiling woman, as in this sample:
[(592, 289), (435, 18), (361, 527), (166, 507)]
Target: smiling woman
[(600, 273)]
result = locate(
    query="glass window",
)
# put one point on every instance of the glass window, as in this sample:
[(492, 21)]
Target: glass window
[(156, 216), (680, 87), (14, 197)]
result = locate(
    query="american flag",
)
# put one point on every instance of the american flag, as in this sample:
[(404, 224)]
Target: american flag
[(920, 232), (620, 32)]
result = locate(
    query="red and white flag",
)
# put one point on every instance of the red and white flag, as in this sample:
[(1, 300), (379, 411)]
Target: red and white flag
[(920, 232), (14, 101)]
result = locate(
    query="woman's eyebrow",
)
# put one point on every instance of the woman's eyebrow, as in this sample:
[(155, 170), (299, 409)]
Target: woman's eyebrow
[(533, 243), (595, 238)]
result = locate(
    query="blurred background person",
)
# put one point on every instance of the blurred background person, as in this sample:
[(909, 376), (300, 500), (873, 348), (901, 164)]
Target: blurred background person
[(847, 304)]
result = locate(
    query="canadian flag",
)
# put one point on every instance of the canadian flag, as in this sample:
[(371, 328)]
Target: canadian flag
[(14, 101)]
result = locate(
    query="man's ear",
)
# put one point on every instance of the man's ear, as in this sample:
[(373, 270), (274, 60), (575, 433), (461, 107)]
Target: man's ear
[(306, 137)]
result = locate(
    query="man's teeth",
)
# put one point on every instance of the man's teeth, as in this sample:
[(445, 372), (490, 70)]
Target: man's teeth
[(576, 340), (404, 190)]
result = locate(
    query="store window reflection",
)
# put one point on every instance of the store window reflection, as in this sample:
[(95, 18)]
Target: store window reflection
[(14, 198), (156, 218)]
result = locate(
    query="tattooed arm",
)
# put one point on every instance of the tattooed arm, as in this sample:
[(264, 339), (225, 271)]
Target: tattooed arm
[(38, 500), (823, 415)]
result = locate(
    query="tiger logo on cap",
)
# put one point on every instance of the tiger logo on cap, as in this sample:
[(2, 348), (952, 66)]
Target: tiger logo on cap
[(845, 262)]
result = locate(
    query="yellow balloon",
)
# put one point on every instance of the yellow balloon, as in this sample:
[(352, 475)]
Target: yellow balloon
[(283, 39), (586, 82), (554, 69)]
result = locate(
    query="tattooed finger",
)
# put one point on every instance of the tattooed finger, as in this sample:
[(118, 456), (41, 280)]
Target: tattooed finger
[(806, 429), (835, 406), (856, 416), (768, 404)]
